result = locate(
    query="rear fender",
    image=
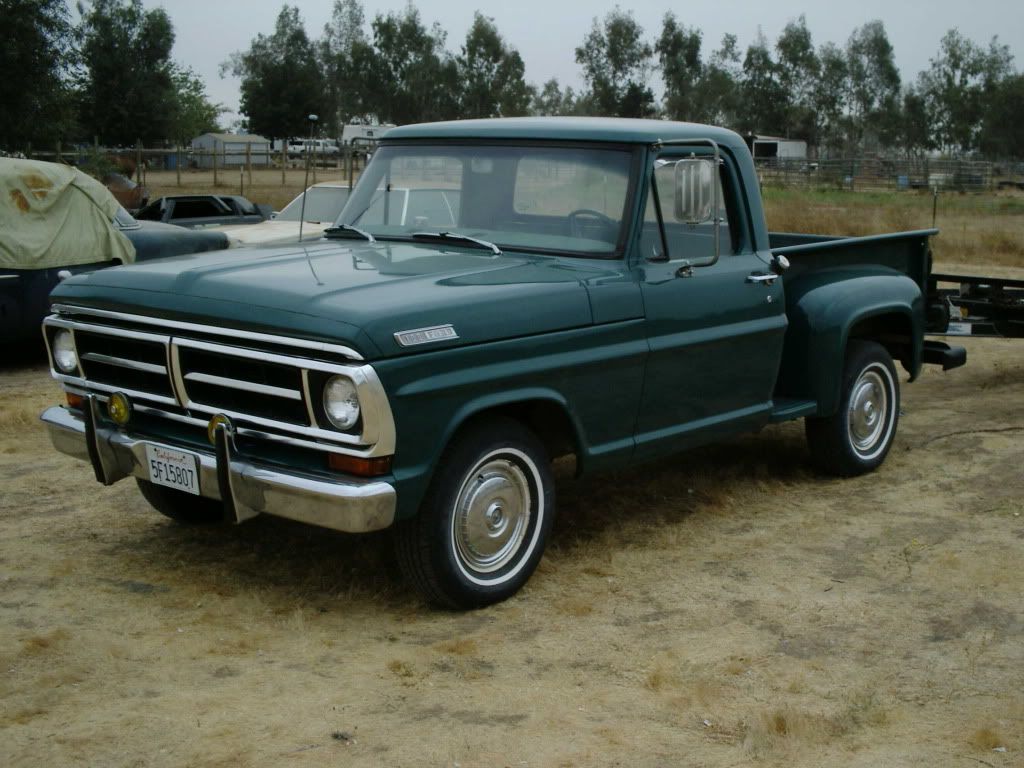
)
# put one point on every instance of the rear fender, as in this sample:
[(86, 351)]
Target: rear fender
[(885, 306)]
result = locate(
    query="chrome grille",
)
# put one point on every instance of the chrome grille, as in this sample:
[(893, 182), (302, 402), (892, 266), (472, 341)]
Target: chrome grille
[(135, 364), (189, 372), (225, 381)]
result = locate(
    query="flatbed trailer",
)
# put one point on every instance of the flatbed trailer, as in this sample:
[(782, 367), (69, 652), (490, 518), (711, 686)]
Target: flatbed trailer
[(979, 306)]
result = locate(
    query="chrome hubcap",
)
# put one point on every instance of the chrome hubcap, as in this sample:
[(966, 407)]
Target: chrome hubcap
[(869, 411), (492, 514)]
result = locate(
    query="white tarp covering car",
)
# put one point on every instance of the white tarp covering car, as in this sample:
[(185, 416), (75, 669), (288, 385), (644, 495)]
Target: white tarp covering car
[(54, 215), (55, 220)]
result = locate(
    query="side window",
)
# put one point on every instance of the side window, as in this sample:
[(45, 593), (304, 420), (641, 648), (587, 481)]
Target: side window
[(194, 209), (684, 241)]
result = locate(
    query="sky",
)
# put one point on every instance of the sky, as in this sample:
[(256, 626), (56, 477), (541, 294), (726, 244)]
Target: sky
[(547, 33)]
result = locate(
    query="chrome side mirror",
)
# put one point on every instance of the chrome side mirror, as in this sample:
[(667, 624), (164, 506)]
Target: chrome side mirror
[(695, 190)]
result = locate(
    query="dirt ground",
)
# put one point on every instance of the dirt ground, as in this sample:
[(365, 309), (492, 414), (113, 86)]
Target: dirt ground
[(726, 607)]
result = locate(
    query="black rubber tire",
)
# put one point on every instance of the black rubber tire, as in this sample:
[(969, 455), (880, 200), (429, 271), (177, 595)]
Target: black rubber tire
[(427, 545), (180, 506), (833, 446)]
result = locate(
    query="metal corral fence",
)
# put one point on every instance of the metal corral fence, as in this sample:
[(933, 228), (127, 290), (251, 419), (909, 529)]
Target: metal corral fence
[(864, 174), (878, 174), (226, 165)]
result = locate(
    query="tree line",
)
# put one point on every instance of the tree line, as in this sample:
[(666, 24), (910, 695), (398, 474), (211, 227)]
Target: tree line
[(111, 76)]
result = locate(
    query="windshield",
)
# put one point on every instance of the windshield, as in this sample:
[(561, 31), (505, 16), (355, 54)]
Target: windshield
[(542, 198), (323, 204)]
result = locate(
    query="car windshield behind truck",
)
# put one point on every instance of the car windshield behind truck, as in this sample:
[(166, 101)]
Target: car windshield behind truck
[(323, 204), (539, 198)]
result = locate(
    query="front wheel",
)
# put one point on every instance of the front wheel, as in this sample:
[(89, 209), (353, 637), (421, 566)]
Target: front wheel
[(856, 439), (485, 519)]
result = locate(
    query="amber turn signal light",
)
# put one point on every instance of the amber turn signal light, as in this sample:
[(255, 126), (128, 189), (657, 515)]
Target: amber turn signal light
[(74, 401), (359, 466)]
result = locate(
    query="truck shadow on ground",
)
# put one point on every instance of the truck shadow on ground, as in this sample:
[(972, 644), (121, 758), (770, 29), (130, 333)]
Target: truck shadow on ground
[(302, 562)]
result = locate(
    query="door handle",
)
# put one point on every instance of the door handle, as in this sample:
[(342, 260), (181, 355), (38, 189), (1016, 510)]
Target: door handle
[(761, 278)]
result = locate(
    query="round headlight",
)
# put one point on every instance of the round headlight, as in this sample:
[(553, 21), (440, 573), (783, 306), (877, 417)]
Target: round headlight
[(341, 403), (64, 351)]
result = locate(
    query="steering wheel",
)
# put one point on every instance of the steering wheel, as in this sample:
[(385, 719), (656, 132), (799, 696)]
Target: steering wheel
[(576, 226)]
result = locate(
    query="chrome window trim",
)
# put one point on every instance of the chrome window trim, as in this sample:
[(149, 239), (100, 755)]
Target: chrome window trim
[(286, 341), (244, 386)]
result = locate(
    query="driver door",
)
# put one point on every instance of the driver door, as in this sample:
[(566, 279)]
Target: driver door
[(715, 335)]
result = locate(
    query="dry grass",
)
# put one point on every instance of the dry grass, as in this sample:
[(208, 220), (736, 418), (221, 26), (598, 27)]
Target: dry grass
[(975, 229), (727, 605), (986, 739)]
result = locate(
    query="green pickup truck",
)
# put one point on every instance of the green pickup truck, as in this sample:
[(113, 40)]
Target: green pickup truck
[(609, 290)]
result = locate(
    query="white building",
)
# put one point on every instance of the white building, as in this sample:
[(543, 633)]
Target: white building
[(230, 149), (770, 147), (363, 132)]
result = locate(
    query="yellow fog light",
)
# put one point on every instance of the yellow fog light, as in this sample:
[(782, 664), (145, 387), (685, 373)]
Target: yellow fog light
[(211, 428), (119, 408)]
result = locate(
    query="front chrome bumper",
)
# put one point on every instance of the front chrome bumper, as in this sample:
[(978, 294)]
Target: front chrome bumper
[(246, 488)]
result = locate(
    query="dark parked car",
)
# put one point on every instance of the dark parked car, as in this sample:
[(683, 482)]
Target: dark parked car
[(56, 221), (204, 210)]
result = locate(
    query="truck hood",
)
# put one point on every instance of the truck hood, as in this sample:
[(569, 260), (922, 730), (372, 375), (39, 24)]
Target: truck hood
[(356, 293)]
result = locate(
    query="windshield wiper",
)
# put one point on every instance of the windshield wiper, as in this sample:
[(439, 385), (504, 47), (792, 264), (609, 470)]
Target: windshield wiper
[(338, 229), (456, 236)]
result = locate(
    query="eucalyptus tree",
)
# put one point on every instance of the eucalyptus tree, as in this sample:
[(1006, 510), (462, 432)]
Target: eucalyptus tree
[(617, 61), (282, 81), (37, 58), (873, 83), (959, 84), (417, 78), (491, 74), (127, 88), (679, 59)]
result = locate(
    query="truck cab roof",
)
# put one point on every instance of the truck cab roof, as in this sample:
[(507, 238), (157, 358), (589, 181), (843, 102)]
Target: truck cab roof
[(600, 129)]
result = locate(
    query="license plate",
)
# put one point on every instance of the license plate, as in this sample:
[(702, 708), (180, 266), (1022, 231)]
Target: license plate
[(175, 469)]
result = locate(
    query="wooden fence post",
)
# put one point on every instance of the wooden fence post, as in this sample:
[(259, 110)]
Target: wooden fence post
[(284, 160), (177, 161)]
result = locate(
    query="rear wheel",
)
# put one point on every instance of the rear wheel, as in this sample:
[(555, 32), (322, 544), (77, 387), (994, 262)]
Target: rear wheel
[(485, 519), (181, 507), (857, 438)]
